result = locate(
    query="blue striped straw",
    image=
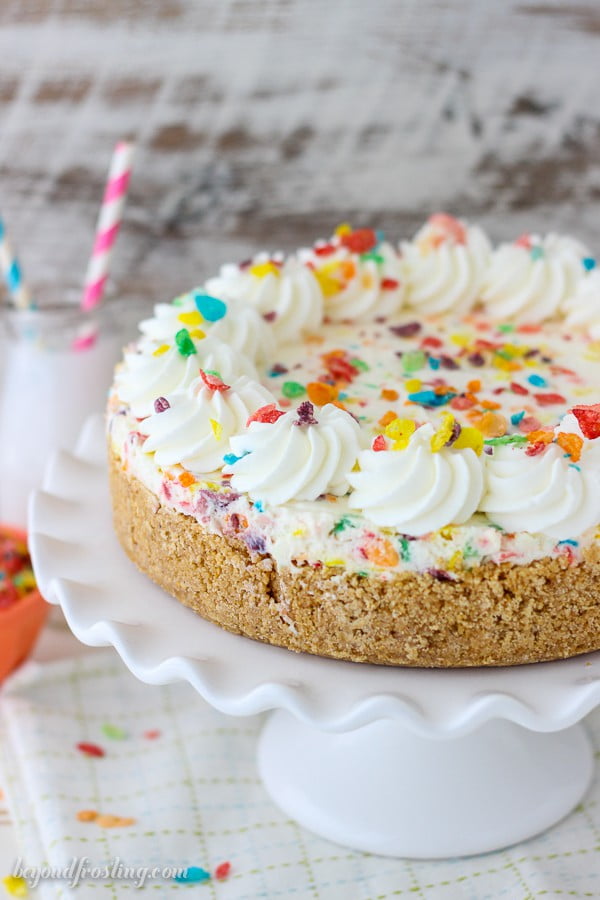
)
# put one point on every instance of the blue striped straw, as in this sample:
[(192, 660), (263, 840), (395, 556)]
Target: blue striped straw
[(11, 271)]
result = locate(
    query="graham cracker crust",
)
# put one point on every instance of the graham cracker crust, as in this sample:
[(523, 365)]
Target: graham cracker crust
[(492, 615)]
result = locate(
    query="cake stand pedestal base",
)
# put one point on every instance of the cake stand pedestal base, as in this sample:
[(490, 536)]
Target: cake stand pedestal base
[(386, 790)]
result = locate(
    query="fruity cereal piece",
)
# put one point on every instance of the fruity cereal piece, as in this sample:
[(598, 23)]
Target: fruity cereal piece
[(320, 393), (535, 448), (359, 241), (222, 871), (469, 438), (400, 431), (90, 749), (493, 424), (268, 413), (529, 424), (213, 382), (463, 402), (387, 417), (540, 435), (381, 552), (443, 434), (571, 444), (184, 342), (449, 227), (87, 815), (15, 886), (588, 418), (549, 399)]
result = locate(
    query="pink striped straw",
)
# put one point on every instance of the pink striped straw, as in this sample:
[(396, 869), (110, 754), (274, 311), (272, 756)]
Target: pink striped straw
[(109, 222)]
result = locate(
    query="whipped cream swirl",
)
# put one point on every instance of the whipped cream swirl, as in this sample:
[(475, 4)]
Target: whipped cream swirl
[(531, 279), (358, 286), (445, 265), (195, 429), (286, 294), (144, 375), (416, 490), (544, 494), (287, 461), (582, 310), (169, 318), (242, 327)]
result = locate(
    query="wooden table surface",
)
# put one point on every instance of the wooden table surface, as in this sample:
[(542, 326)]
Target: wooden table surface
[(266, 122)]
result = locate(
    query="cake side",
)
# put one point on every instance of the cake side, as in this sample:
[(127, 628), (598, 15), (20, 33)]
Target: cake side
[(491, 615)]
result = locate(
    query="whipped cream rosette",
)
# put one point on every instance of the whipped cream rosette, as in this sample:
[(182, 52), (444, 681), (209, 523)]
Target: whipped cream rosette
[(144, 376), (298, 455), (420, 486), (582, 309), (360, 275), (532, 278), (192, 428), (546, 493), (286, 293), (232, 322), (445, 265), (169, 318)]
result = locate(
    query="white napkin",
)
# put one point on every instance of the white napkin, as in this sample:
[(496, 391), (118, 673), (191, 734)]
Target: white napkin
[(187, 775)]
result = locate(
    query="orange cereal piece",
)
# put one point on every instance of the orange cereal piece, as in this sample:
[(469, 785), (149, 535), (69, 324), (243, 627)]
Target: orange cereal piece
[(474, 385), (382, 553), (540, 436), (388, 394), (492, 424), (347, 269), (109, 821), (320, 393), (186, 479), (87, 815), (474, 415), (490, 404), (387, 417), (571, 444)]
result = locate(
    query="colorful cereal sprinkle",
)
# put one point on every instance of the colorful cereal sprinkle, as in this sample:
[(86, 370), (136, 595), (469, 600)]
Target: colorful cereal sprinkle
[(113, 732), (192, 875), (15, 886), (90, 749)]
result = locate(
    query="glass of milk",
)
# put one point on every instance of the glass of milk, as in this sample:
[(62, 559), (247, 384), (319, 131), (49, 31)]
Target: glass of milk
[(57, 366)]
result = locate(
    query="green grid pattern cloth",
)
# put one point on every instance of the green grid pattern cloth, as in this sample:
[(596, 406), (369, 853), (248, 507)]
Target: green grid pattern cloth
[(187, 775)]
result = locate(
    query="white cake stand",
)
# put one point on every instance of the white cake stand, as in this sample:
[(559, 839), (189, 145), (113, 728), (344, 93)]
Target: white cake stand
[(401, 762)]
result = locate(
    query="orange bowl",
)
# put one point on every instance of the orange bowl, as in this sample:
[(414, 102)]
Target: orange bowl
[(21, 623)]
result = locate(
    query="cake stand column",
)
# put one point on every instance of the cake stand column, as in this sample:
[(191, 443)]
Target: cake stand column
[(386, 790)]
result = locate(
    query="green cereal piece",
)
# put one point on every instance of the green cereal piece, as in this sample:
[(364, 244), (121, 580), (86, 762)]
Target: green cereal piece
[(292, 389)]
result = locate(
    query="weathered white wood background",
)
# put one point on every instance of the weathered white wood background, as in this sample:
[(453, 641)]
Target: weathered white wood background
[(265, 122)]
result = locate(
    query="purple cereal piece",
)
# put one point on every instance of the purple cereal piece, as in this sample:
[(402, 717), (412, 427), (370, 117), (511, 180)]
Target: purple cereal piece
[(441, 575), (456, 430), (476, 359), (447, 362), (306, 414), (255, 542), (406, 331)]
